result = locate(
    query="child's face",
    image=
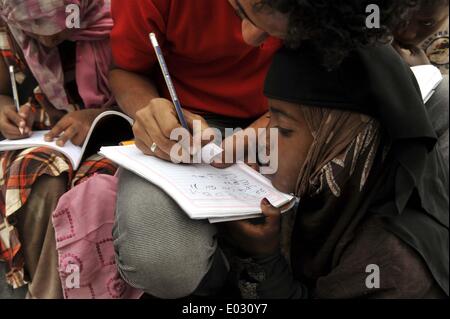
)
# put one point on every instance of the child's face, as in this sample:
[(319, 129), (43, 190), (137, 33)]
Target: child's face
[(423, 23), (294, 142)]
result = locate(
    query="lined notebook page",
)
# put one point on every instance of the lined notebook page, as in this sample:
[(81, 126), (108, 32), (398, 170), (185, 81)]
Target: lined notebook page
[(72, 152), (201, 190)]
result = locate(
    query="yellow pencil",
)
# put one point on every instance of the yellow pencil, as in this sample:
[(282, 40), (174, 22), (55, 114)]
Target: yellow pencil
[(126, 143)]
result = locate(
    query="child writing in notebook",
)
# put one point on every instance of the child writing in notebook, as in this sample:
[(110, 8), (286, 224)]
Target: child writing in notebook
[(352, 159), (423, 39), (61, 75)]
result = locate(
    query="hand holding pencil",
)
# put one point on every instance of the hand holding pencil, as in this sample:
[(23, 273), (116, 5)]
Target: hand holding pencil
[(11, 121), (16, 121), (155, 122)]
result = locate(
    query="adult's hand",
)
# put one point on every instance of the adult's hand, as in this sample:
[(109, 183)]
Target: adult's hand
[(156, 122)]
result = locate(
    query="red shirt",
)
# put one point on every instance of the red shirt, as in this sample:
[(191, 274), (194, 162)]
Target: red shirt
[(212, 68)]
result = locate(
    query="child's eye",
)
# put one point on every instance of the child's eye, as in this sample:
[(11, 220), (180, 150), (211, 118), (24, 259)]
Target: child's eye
[(428, 23), (285, 132)]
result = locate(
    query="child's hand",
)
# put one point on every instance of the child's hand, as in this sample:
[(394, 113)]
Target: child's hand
[(73, 127), (257, 240), (412, 55), (27, 115), (11, 121)]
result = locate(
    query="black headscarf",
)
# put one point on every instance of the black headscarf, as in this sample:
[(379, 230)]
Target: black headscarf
[(409, 190)]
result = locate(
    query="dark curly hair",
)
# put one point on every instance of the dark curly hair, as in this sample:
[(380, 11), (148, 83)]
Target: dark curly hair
[(336, 27), (428, 3)]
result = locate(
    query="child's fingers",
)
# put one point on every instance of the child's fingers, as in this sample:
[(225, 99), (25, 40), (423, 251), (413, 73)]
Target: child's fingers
[(14, 118), (11, 131), (26, 113), (56, 131), (272, 214), (68, 135), (272, 221)]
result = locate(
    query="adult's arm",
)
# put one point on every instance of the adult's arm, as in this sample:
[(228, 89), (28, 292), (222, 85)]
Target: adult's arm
[(133, 91)]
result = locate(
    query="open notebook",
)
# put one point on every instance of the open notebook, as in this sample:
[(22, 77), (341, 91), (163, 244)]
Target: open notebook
[(428, 77), (205, 192), (99, 135), (201, 190)]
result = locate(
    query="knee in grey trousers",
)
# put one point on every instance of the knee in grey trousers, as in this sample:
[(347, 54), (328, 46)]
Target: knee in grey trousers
[(158, 247)]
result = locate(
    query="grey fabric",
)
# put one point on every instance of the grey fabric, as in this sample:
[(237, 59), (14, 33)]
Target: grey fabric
[(158, 248), (437, 108)]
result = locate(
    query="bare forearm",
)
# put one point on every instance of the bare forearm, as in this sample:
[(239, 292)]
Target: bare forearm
[(132, 91)]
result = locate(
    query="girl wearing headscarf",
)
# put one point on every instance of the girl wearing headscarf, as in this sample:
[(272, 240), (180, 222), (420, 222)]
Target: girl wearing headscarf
[(61, 71), (360, 154)]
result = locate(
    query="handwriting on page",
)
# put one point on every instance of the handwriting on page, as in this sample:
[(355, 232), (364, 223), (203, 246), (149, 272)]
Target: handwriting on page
[(225, 185)]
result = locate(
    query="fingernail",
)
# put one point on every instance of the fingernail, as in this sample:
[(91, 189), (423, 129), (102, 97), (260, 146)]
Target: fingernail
[(22, 123), (265, 202)]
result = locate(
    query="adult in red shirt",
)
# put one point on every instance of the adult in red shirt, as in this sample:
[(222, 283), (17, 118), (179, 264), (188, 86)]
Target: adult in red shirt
[(218, 60)]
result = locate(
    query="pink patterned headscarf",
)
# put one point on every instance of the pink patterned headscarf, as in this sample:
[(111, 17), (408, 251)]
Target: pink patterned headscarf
[(93, 56)]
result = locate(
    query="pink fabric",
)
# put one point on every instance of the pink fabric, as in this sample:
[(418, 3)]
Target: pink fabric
[(48, 17), (83, 227)]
